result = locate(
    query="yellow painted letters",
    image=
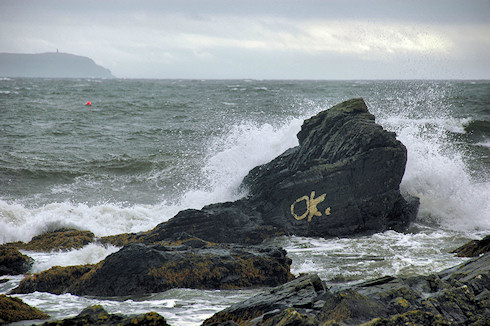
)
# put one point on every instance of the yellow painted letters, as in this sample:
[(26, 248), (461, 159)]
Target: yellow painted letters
[(311, 207)]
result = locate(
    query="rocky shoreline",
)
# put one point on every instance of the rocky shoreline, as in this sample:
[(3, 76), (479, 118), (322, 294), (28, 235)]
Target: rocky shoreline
[(342, 180), (456, 296)]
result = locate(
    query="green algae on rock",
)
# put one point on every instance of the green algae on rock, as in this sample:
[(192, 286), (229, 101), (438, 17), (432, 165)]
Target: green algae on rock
[(56, 280), (14, 309), (191, 263), (61, 239), (97, 315)]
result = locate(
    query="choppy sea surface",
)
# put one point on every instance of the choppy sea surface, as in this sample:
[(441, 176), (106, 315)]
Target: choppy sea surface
[(146, 149)]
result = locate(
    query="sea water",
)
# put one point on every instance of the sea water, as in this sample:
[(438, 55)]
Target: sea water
[(146, 149)]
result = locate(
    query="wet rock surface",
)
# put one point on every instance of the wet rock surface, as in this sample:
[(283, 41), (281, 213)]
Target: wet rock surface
[(474, 248), (456, 296), (97, 315), (141, 269), (56, 280), (12, 261), (342, 179)]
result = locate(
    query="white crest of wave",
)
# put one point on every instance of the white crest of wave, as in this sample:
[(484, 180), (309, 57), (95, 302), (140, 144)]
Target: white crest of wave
[(18, 222), (232, 157), (229, 160), (436, 173), (89, 254)]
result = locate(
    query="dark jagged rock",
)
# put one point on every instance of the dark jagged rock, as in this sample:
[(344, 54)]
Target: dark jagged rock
[(190, 263), (61, 239), (474, 248), (455, 296), (140, 269), (14, 309), (96, 315), (13, 262), (232, 222), (300, 293), (343, 179)]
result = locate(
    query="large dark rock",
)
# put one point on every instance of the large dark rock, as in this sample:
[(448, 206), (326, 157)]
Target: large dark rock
[(140, 269), (96, 315), (456, 296), (342, 179), (232, 222)]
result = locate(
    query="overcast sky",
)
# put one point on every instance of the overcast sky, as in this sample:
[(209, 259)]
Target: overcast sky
[(262, 39)]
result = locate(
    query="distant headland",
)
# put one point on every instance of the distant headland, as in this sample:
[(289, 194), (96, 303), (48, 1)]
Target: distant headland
[(50, 65)]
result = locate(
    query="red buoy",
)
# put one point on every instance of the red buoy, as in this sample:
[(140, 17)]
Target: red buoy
[(88, 103)]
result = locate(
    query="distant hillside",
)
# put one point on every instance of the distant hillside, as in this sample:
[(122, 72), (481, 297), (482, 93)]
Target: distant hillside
[(50, 65)]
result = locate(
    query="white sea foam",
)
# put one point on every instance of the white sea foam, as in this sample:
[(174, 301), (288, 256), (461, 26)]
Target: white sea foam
[(90, 254), (437, 174), (229, 160), (362, 258), (184, 307), (18, 222)]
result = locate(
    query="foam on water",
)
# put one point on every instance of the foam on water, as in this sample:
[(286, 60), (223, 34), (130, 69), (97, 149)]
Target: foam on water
[(436, 172), (351, 260), (89, 254), (18, 222), (229, 160), (185, 307)]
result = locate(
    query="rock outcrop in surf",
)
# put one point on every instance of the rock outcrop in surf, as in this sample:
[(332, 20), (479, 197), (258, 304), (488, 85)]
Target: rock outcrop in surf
[(97, 315), (474, 248), (139, 269), (343, 179), (14, 310), (12, 261)]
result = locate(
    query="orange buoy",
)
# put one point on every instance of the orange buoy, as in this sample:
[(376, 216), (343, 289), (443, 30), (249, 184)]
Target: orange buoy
[(88, 103)]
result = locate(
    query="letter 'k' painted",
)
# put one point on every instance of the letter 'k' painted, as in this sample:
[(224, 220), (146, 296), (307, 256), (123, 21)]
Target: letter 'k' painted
[(311, 206)]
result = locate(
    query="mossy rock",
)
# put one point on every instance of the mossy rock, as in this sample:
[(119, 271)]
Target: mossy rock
[(14, 309), (138, 269), (56, 280), (62, 239), (474, 248), (411, 318), (12, 261), (121, 240), (289, 317), (351, 307), (97, 315), (124, 239)]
